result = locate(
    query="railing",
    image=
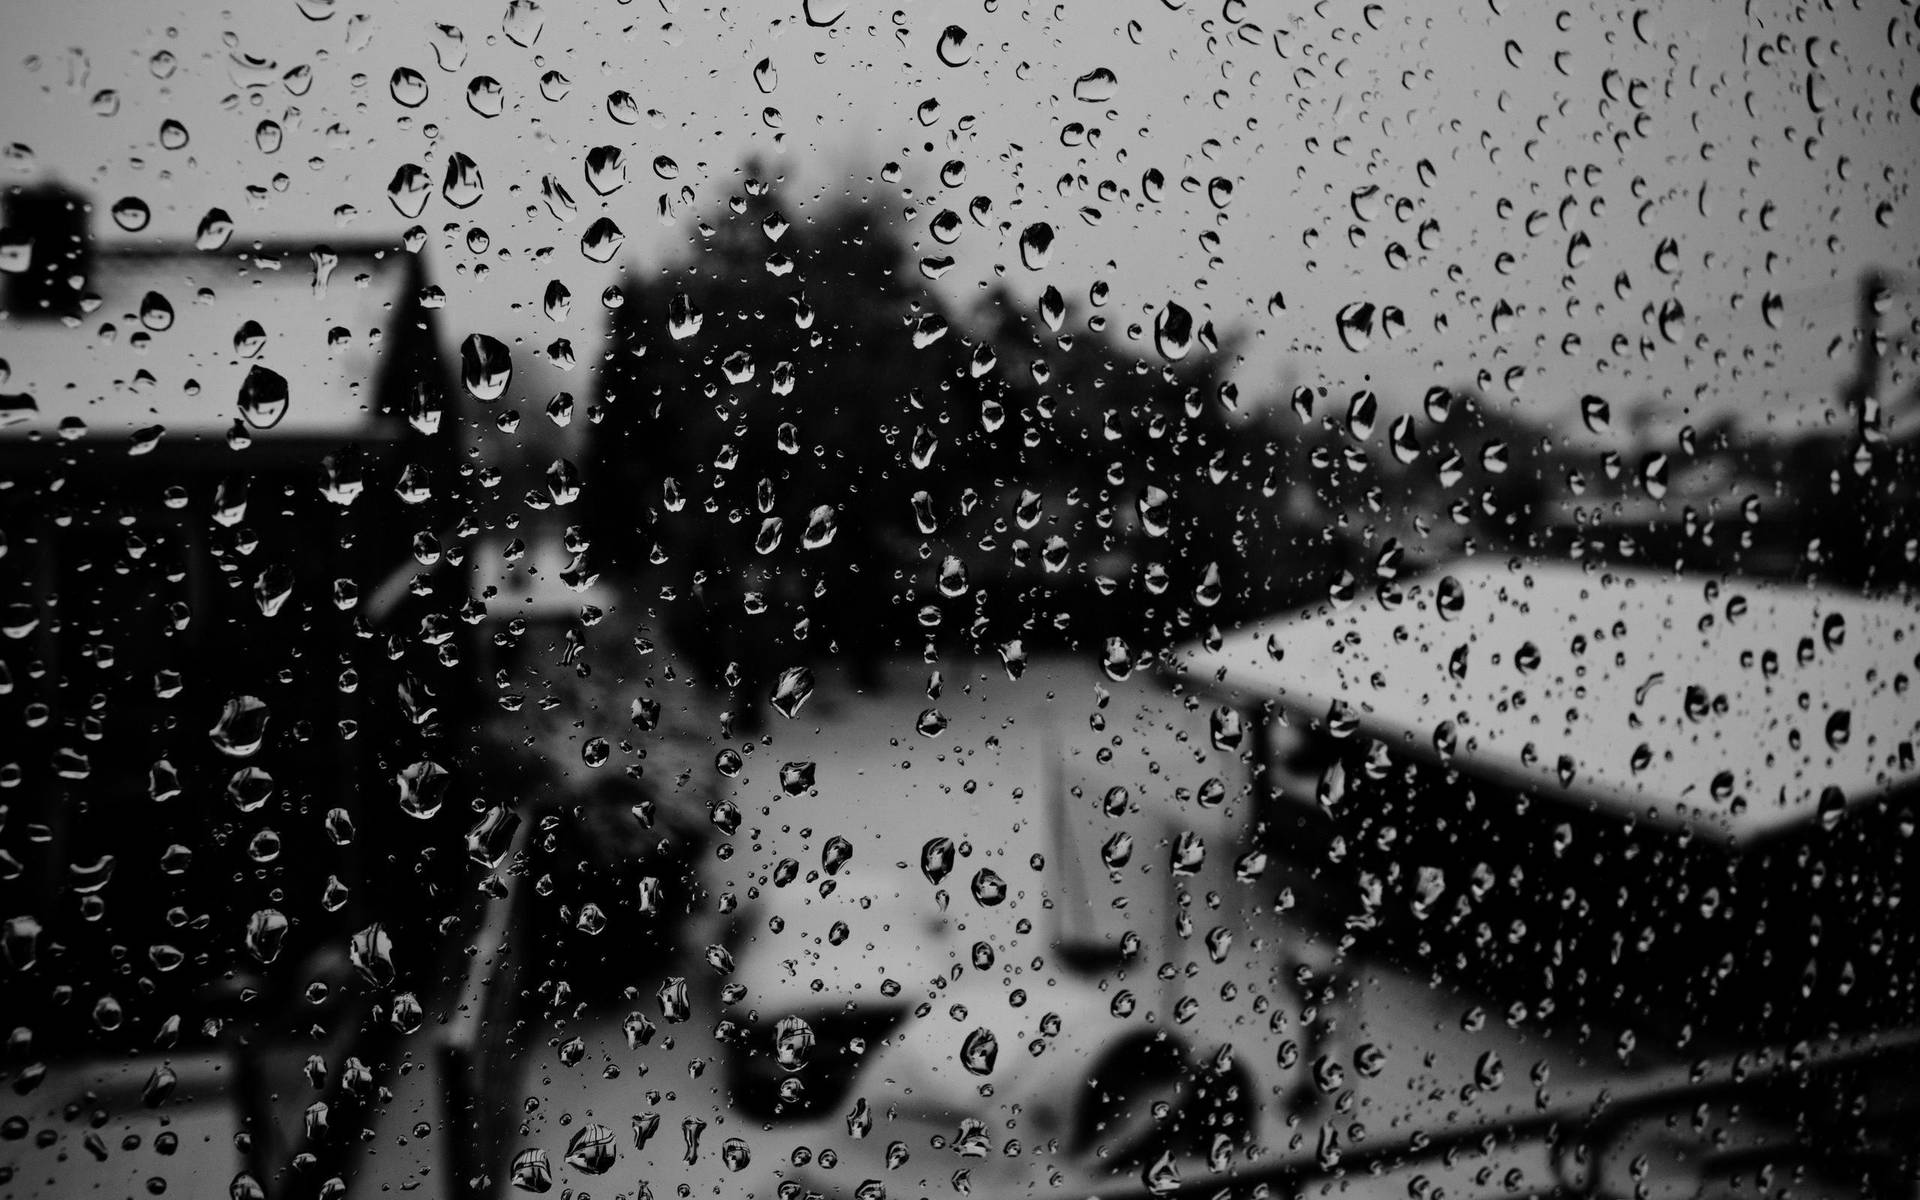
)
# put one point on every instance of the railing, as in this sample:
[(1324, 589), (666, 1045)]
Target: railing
[(1847, 1108)]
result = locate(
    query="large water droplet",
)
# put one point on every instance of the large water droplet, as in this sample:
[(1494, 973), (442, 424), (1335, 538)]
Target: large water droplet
[(592, 1150), (485, 367), (1355, 323), (937, 858), (1036, 245), (263, 397), (408, 87), (462, 185), (792, 689), (242, 727), (1096, 87), (410, 189), (955, 47), (978, 1052)]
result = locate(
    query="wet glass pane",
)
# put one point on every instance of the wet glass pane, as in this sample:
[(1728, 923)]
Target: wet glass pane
[(1154, 599)]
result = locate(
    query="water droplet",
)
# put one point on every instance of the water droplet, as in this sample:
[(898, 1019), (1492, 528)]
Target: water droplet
[(242, 727), (606, 169), (683, 316), (1173, 331), (1355, 323), (822, 13), (978, 1052), (131, 213), (449, 47), (409, 189), (423, 788), (485, 96), (462, 185), (1096, 87), (937, 858), (523, 22), (263, 397), (266, 934), (955, 48), (408, 87), (988, 888), (1036, 245), (602, 240), (622, 107), (485, 367), (531, 1172), (592, 1150), (792, 689), (213, 231), (1596, 413)]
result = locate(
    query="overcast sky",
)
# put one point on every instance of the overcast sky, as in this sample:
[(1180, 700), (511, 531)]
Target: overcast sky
[(1776, 153)]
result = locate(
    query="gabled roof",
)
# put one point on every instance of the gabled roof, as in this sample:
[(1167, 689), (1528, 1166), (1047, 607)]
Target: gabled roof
[(1751, 700), (119, 374)]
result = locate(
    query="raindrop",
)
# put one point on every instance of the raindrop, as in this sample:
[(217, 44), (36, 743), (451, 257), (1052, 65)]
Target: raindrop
[(462, 185), (606, 169), (485, 367), (1096, 87), (531, 1172), (791, 690), (263, 397), (242, 727), (602, 240), (988, 888), (793, 1043), (955, 48), (1173, 331), (131, 213), (822, 13), (408, 87), (978, 1052), (423, 788), (485, 96), (936, 859), (410, 189), (1036, 245), (523, 22), (214, 230), (622, 107), (266, 934), (449, 47), (592, 1150), (1355, 323)]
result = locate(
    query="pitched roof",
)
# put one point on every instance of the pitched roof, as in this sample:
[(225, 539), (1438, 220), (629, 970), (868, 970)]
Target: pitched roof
[(118, 372), (1751, 699)]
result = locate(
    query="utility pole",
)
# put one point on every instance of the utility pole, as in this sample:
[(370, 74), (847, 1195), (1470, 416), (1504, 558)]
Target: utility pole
[(1855, 537)]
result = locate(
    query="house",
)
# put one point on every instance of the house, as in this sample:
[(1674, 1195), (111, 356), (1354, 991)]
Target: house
[(211, 458)]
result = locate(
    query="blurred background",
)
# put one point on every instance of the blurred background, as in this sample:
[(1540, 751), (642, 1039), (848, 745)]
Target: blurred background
[(696, 595)]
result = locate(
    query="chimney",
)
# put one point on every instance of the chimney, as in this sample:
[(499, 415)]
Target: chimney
[(46, 251)]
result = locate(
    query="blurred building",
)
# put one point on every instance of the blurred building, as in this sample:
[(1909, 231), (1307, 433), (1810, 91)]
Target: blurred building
[(212, 460)]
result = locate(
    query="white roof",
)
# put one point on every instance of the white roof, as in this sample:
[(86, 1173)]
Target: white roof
[(117, 375), (1619, 655)]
